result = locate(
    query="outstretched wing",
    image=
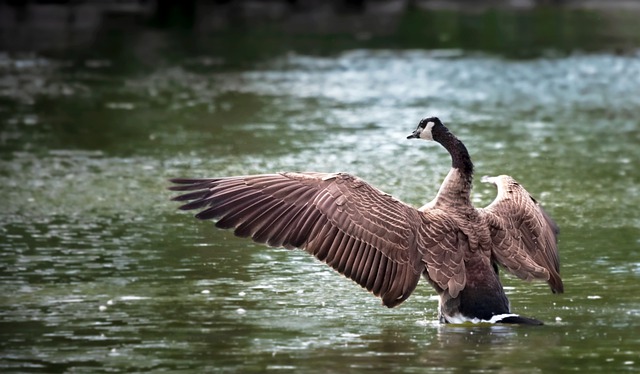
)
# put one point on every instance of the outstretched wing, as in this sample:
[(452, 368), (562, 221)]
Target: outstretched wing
[(524, 236), (358, 230)]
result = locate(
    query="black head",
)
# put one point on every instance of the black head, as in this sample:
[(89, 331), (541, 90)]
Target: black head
[(426, 128)]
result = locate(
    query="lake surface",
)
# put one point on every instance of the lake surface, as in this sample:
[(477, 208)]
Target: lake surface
[(100, 273)]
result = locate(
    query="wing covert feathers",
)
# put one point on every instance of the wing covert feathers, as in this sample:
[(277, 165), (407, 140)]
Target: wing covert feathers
[(358, 230), (523, 235)]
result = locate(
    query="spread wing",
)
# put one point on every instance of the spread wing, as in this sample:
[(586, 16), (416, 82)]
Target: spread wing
[(524, 236), (359, 231)]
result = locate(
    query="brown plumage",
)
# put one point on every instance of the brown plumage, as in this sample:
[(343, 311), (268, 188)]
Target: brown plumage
[(384, 244)]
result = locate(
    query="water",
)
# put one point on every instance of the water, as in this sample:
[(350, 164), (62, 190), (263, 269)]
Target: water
[(99, 273)]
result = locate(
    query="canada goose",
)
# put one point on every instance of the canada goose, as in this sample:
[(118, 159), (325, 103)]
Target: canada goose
[(384, 244)]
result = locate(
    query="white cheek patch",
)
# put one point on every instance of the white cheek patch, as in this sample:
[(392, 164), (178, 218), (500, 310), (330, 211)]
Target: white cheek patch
[(426, 133)]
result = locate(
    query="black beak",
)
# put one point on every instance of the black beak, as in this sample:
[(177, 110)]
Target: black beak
[(414, 135)]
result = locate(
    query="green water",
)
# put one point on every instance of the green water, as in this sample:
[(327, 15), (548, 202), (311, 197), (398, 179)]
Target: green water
[(100, 273)]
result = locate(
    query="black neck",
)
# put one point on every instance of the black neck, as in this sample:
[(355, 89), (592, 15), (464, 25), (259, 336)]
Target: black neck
[(459, 155)]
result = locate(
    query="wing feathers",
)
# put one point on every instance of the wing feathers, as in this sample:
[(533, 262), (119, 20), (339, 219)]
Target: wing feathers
[(356, 229), (374, 272), (524, 237), (277, 236), (381, 243), (355, 264), (358, 271), (353, 227)]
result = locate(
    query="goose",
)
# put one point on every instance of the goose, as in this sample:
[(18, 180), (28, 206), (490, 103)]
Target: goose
[(386, 245)]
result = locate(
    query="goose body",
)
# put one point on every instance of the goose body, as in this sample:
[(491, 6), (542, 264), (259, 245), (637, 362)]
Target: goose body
[(386, 245)]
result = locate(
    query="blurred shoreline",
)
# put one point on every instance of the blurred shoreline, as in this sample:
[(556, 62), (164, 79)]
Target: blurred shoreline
[(54, 26)]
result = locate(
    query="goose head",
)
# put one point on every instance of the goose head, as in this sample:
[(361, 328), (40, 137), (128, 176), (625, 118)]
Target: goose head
[(428, 129)]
